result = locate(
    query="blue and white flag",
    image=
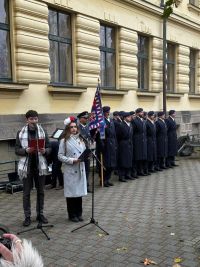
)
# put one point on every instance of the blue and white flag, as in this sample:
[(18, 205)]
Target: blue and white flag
[(97, 118)]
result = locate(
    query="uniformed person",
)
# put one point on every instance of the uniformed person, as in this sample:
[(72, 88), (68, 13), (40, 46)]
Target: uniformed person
[(85, 133), (151, 141), (125, 148), (108, 147), (140, 143), (172, 138), (161, 138)]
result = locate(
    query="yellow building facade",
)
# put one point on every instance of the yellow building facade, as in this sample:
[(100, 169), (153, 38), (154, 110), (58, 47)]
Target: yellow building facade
[(57, 50)]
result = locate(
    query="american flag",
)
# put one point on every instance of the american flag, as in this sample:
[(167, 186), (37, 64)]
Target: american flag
[(96, 118)]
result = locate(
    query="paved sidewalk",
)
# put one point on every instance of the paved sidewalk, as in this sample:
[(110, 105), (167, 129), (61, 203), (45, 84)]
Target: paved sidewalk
[(156, 217)]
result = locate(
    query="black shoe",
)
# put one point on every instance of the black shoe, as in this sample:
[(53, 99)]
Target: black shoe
[(110, 184), (80, 218), (106, 185), (74, 219), (128, 177), (122, 180), (158, 169), (42, 219), (50, 186), (142, 174), (27, 221), (174, 165)]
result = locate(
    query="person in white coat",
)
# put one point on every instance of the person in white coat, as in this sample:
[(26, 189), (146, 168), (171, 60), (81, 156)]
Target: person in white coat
[(75, 184)]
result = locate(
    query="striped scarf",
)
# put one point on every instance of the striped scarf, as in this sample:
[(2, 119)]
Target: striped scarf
[(23, 162)]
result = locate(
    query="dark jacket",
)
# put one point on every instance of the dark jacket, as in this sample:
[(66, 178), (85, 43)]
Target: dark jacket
[(151, 141), (84, 131), (172, 136), (161, 138), (139, 139), (125, 145), (108, 146)]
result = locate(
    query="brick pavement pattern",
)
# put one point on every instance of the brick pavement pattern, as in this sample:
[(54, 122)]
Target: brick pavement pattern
[(154, 217)]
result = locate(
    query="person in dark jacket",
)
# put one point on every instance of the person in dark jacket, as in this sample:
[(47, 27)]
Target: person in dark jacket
[(32, 163), (85, 133), (172, 138), (140, 143), (108, 147), (151, 141), (162, 142), (56, 166), (125, 148)]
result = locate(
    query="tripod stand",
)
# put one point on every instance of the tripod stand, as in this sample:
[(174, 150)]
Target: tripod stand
[(92, 219), (38, 185)]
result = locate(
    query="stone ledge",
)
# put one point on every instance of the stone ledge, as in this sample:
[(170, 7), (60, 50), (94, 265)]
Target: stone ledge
[(174, 95), (147, 94), (193, 8), (13, 87), (66, 90), (114, 92), (193, 96)]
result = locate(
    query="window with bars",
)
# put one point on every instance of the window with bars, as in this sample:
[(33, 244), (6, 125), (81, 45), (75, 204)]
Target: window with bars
[(171, 64), (108, 57), (143, 62), (192, 73), (5, 55), (60, 51)]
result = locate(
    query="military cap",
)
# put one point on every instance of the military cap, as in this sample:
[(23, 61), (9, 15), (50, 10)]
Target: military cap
[(151, 113), (83, 114), (160, 113), (132, 112), (126, 114), (138, 110), (115, 113), (171, 112), (121, 113), (106, 109)]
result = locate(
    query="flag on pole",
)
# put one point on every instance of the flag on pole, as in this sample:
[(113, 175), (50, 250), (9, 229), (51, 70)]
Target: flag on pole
[(97, 118)]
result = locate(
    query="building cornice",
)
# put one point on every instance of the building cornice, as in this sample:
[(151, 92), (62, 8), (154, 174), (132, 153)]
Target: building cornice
[(157, 10)]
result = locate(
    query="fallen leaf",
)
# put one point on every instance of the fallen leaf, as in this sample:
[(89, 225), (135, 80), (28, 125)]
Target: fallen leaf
[(177, 260), (122, 249), (101, 235), (176, 265), (149, 262)]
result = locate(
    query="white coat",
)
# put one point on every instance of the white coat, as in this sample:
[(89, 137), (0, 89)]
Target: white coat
[(75, 184)]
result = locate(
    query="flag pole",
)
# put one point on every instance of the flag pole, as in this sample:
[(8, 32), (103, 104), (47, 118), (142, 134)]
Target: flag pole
[(101, 178)]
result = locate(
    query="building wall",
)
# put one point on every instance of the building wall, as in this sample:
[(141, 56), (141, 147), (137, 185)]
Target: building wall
[(30, 57)]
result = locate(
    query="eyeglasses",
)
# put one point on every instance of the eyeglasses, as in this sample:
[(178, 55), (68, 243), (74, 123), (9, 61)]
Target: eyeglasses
[(73, 127)]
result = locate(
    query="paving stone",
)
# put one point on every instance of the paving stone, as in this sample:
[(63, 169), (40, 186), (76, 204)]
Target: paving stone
[(139, 215)]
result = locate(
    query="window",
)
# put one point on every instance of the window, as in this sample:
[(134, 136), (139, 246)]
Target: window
[(192, 73), (171, 59), (143, 62), (194, 2), (60, 51), (5, 57), (107, 59)]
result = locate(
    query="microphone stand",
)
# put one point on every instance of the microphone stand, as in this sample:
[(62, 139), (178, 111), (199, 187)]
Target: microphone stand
[(92, 219), (40, 226)]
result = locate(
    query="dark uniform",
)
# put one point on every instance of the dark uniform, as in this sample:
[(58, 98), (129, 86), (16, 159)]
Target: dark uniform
[(108, 148), (172, 141), (85, 133), (139, 145), (151, 144), (56, 165), (125, 150), (162, 144)]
